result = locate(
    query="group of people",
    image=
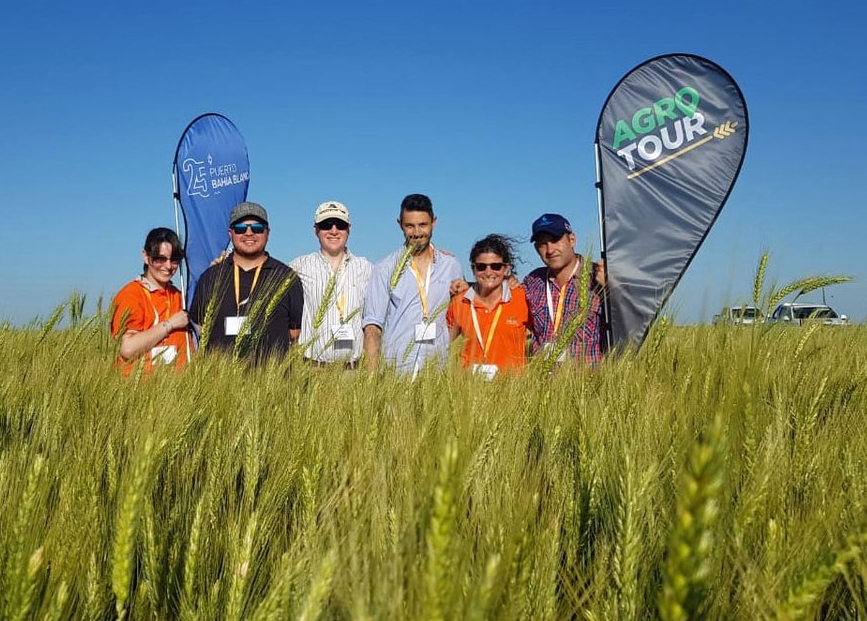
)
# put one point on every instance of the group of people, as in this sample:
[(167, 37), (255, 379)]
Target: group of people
[(341, 309)]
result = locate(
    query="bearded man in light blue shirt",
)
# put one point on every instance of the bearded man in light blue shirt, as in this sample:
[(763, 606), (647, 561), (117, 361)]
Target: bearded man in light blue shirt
[(404, 315)]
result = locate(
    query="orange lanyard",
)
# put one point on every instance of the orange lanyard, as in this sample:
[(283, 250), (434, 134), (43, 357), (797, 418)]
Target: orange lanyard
[(423, 286), (238, 286), (558, 317)]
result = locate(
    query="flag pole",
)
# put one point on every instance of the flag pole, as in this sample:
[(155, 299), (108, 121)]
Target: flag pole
[(603, 254), (176, 196)]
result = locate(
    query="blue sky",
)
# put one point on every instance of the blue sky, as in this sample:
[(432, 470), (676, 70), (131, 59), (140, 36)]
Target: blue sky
[(488, 107)]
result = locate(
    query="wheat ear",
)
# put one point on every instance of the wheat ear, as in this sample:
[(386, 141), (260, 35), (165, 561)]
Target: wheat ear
[(126, 526)]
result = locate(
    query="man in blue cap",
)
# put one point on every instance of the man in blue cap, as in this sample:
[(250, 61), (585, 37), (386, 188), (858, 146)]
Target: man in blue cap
[(554, 295)]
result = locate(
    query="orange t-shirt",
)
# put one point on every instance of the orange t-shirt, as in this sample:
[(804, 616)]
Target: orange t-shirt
[(140, 306), (508, 343)]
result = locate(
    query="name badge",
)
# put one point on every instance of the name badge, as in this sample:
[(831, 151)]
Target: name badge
[(549, 347), (425, 332), (164, 354), (233, 325), (488, 371), (342, 332)]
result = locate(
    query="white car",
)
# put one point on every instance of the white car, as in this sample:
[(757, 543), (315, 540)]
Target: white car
[(739, 315), (797, 314)]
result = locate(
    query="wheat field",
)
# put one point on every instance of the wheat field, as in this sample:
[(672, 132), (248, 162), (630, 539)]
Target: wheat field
[(717, 474)]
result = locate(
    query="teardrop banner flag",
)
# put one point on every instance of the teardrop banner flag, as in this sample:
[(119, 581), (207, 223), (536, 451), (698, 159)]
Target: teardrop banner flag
[(211, 173), (670, 143)]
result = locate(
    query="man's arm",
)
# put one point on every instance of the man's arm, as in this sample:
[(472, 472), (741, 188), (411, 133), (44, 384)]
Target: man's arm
[(372, 345), (296, 306), (376, 303)]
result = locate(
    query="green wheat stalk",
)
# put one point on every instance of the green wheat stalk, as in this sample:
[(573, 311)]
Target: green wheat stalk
[(687, 567), (400, 268), (439, 310), (51, 322), (319, 317), (239, 577), (191, 563), (627, 552), (128, 517), (562, 341), (262, 307), (210, 318), (27, 589), (18, 579), (481, 604), (759, 280), (440, 533), (804, 286), (320, 587), (58, 603), (812, 586)]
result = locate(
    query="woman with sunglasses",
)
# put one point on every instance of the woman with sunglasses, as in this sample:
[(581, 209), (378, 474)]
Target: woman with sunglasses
[(148, 312), (491, 315)]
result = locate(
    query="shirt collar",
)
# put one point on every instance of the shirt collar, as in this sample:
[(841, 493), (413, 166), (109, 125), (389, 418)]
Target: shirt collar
[(347, 256), (150, 286), (471, 293)]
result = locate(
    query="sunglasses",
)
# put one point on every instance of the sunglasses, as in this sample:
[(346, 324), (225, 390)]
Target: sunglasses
[(161, 260), (326, 225), (257, 227), (481, 267)]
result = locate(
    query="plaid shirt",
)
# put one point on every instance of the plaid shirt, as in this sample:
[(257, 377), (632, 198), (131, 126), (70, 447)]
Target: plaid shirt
[(589, 338)]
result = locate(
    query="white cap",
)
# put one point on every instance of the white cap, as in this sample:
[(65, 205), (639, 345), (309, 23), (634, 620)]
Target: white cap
[(331, 209)]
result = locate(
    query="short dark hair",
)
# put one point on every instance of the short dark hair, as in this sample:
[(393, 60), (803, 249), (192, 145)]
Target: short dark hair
[(500, 245), (159, 236), (416, 202)]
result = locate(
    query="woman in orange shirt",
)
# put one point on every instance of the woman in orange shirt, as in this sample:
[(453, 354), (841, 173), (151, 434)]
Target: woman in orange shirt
[(492, 316), (148, 312)]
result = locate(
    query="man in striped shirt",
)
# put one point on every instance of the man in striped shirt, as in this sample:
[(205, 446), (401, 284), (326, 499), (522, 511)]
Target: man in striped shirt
[(335, 281)]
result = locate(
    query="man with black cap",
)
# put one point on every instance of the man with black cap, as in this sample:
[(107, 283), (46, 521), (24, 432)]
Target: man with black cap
[(249, 299), (553, 293)]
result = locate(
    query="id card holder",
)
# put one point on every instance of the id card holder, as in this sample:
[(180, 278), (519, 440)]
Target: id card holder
[(233, 325), (425, 332), (488, 371), (164, 354), (342, 332), (549, 347)]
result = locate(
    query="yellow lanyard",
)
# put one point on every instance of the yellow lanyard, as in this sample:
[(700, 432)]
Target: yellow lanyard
[(558, 316), (341, 305), (423, 285), (238, 286), (486, 345), (340, 278)]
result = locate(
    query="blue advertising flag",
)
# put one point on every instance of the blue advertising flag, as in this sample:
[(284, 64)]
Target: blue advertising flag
[(211, 174), (670, 143)]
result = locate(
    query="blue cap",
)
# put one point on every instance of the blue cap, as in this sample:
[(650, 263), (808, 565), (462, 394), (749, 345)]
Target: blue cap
[(552, 223)]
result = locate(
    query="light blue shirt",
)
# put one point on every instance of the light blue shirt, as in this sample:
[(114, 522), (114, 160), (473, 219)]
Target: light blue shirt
[(397, 312)]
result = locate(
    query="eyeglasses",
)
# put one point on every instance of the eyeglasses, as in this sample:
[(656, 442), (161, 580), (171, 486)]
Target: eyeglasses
[(257, 227), (326, 225), (161, 260), (481, 267)]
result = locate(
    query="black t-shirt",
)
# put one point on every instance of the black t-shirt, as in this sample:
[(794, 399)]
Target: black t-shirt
[(274, 306)]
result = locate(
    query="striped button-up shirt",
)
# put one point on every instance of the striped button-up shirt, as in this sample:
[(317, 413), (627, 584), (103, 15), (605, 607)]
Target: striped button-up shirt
[(331, 300)]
